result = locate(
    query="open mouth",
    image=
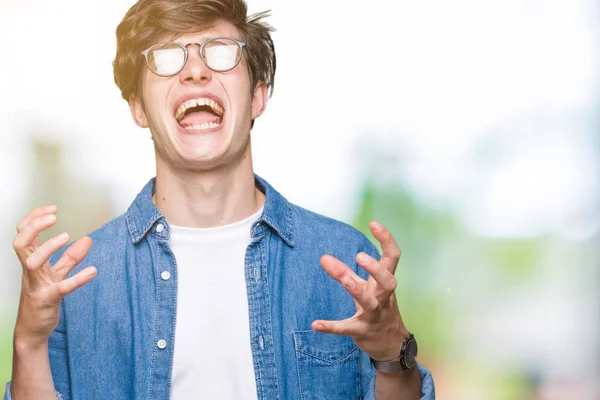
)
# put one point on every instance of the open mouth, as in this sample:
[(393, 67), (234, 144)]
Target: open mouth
[(199, 114)]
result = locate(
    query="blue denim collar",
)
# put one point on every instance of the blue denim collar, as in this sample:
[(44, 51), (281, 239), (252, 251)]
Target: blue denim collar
[(277, 212)]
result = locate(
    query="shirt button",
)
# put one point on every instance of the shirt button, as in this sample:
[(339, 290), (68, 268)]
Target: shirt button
[(256, 274), (160, 228), (165, 275), (261, 342), (161, 344)]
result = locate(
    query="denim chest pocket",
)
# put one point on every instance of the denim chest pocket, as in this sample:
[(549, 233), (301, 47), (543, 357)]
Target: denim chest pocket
[(328, 366)]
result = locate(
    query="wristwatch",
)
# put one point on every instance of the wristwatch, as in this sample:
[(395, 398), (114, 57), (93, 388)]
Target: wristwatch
[(406, 360)]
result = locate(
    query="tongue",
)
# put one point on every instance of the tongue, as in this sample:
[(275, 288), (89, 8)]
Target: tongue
[(198, 118)]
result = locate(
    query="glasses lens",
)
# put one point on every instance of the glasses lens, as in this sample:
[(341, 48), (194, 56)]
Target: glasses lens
[(221, 54), (166, 59)]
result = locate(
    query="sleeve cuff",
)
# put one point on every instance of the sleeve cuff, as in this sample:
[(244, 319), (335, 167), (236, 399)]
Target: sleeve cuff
[(7, 395), (427, 387)]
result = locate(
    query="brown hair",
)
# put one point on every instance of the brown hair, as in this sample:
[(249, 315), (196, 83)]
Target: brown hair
[(149, 21)]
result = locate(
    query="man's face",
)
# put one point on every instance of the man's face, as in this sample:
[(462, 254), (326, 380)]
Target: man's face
[(200, 119)]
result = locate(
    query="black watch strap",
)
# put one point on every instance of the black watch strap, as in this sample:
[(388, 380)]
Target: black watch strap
[(389, 366), (405, 361)]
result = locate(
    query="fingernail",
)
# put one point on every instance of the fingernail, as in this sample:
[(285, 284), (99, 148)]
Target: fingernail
[(349, 282), (363, 258), (63, 236), (50, 217), (319, 327), (51, 208), (377, 225)]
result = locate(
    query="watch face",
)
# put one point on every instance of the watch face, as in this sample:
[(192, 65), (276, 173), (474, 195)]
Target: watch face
[(410, 355)]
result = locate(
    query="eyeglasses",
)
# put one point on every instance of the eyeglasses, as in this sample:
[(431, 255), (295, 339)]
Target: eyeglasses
[(218, 54)]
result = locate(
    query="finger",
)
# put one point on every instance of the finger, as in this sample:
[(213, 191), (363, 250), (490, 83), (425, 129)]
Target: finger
[(360, 293), (347, 327), (29, 233), (73, 256), (386, 282), (337, 269), (391, 251), (41, 256), (36, 212), (76, 281)]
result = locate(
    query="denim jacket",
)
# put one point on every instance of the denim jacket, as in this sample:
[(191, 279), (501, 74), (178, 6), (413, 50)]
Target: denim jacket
[(115, 336)]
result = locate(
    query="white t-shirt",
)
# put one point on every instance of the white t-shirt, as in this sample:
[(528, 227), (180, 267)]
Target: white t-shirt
[(213, 358)]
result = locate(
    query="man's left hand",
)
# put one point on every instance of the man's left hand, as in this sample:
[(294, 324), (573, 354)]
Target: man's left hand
[(377, 327)]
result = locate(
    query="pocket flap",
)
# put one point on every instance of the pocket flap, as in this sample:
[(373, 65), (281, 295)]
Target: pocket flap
[(324, 346)]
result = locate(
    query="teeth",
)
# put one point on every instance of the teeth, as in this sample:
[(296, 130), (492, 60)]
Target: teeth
[(198, 102), (215, 106), (199, 127)]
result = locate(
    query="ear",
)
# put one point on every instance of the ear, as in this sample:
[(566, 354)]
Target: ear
[(137, 111), (259, 99)]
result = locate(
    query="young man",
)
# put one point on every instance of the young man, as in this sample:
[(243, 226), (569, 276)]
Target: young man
[(212, 285)]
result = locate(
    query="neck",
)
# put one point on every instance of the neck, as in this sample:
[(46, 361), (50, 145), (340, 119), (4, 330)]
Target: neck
[(207, 199)]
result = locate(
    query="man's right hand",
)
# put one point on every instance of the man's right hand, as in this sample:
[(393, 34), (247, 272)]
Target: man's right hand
[(42, 287)]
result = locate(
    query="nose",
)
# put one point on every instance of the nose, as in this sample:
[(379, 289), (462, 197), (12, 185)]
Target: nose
[(195, 71)]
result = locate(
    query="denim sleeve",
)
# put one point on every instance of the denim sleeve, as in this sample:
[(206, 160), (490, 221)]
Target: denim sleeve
[(427, 387)]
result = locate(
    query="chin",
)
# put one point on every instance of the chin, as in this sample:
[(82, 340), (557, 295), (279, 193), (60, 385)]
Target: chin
[(205, 158)]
